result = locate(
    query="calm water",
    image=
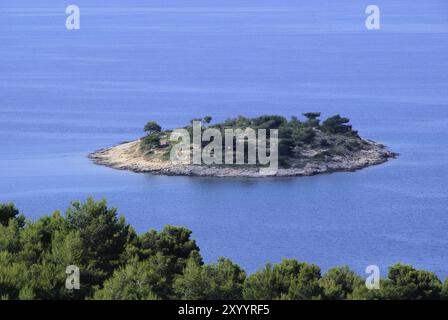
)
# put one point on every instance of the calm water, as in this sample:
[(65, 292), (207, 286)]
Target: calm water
[(64, 94)]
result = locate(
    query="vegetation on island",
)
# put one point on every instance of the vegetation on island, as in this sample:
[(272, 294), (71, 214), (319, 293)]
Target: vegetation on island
[(331, 137), (117, 263)]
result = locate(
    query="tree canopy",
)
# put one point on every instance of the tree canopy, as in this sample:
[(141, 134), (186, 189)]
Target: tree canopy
[(152, 127), (117, 263)]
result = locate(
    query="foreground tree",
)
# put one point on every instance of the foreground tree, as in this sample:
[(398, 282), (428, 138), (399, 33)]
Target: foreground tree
[(207, 119), (405, 282), (337, 124), (104, 235), (444, 292), (286, 280), (115, 263), (138, 280), (340, 283), (305, 286), (312, 119)]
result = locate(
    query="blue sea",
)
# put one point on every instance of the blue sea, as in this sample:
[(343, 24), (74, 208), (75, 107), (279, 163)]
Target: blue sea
[(65, 93)]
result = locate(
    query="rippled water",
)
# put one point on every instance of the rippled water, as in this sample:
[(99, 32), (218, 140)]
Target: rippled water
[(64, 94)]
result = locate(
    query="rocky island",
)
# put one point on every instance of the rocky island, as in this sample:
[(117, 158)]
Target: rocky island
[(305, 147)]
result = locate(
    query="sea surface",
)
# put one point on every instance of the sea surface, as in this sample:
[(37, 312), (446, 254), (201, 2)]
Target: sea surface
[(65, 93)]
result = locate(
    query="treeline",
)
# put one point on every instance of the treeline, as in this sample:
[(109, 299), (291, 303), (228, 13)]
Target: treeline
[(293, 133), (117, 263)]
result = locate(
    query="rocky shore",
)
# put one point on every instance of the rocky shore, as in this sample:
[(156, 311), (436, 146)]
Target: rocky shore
[(129, 156)]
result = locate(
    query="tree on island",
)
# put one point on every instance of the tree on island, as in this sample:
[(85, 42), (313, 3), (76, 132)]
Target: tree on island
[(207, 119), (337, 124), (152, 127), (312, 119)]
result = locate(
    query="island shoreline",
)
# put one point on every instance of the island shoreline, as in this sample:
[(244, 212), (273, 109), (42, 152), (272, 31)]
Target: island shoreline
[(127, 156)]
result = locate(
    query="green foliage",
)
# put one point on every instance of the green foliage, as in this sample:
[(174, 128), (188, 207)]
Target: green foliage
[(104, 236), (116, 263), (339, 283), (444, 293), (176, 248), (293, 134), (269, 122), (12, 279), (404, 282), (152, 127), (173, 242), (336, 124), (305, 286), (151, 141), (223, 281), (194, 283), (10, 237), (207, 119), (90, 236), (152, 138), (138, 280), (263, 285), (312, 115)]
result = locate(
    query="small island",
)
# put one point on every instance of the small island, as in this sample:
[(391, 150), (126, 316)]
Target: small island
[(305, 147)]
